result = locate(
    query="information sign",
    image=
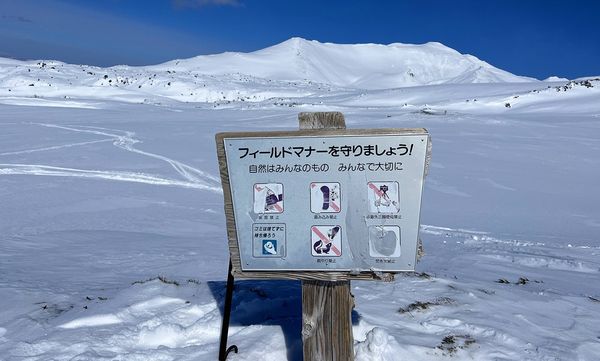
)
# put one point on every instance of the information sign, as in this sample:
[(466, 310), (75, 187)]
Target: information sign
[(336, 200)]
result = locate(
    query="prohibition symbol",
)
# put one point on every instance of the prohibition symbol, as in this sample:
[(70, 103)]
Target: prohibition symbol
[(383, 197), (268, 198), (325, 197), (326, 241)]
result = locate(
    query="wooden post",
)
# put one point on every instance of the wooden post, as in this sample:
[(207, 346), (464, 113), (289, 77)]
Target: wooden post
[(326, 305)]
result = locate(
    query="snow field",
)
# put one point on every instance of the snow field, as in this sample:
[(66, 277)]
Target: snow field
[(112, 241)]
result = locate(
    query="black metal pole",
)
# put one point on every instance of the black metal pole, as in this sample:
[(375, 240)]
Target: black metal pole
[(223, 350)]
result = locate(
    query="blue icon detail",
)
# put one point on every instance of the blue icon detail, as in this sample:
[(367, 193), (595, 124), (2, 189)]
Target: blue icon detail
[(269, 247)]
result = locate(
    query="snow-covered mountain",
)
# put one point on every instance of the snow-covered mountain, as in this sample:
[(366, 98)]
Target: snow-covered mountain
[(294, 68), (368, 66)]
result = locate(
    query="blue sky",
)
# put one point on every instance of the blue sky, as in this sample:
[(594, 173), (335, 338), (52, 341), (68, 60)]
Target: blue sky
[(533, 38)]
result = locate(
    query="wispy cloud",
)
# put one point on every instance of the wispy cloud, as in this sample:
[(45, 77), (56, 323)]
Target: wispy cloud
[(71, 32), (203, 3), (16, 18)]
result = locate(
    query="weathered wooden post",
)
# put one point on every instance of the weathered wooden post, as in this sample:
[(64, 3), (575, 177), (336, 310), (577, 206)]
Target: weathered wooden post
[(326, 305)]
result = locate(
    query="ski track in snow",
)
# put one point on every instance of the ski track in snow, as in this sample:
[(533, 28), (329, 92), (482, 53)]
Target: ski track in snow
[(195, 178), (533, 255), (55, 147), (45, 170), (485, 237)]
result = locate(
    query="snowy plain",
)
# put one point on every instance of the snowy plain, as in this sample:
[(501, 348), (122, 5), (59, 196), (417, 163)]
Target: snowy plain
[(112, 233)]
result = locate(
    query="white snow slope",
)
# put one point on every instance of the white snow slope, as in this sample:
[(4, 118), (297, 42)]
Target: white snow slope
[(370, 66), (112, 233), (296, 67)]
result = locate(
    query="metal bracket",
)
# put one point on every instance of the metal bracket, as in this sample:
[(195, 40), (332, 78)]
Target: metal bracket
[(223, 349)]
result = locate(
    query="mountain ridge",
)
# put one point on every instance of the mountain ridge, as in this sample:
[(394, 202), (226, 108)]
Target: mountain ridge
[(292, 69), (368, 66)]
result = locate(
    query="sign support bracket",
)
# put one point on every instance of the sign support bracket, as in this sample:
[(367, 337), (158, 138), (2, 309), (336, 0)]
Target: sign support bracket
[(223, 349)]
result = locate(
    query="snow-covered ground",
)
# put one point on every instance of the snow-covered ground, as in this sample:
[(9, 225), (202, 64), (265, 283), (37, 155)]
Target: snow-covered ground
[(112, 241)]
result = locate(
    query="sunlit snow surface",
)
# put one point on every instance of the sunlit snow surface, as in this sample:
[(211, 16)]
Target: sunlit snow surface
[(99, 197)]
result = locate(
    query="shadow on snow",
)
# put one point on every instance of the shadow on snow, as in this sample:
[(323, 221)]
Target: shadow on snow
[(267, 302)]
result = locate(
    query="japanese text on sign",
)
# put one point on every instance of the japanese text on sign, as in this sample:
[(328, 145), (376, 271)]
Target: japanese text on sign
[(368, 150)]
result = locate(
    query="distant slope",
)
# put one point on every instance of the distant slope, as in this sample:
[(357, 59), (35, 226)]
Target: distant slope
[(368, 66), (294, 69)]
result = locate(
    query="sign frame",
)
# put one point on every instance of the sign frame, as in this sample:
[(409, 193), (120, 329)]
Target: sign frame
[(334, 275)]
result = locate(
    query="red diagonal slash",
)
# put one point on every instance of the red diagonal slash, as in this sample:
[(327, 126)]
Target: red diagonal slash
[(278, 208), (335, 206), (375, 189), (326, 241)]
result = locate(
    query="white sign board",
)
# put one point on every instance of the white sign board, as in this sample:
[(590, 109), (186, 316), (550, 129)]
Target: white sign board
[(339, 202)]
